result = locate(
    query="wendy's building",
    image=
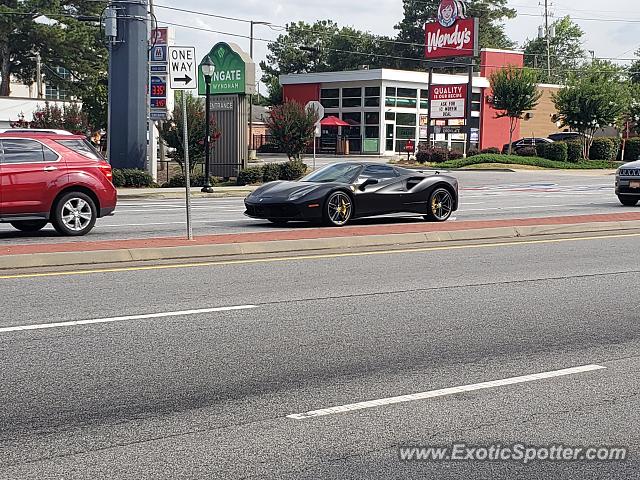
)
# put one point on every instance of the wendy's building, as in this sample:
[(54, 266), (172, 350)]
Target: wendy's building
[(387, 108)]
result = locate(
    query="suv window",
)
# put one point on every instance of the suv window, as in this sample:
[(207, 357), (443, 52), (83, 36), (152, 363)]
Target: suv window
[(20, 150), (83, 147), (379, 172)]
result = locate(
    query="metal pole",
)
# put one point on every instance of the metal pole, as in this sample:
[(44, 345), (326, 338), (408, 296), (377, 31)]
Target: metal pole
[(469, 109), (187, 176), (39, 74), (429, 129), (251, 96), (546, 26), (207, 188)]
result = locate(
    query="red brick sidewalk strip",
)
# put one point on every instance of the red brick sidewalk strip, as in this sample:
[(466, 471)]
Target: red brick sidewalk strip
[(312, 233)]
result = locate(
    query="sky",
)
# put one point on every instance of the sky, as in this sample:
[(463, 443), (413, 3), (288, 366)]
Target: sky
[(606, 36)]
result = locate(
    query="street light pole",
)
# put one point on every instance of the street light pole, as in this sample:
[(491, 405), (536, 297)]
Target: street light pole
[(207, 71)]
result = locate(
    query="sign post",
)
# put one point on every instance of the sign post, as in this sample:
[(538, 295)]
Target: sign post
[(183, 76), (318, 109)]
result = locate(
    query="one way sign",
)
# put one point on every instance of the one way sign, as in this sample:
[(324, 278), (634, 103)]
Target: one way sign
[(183, 68)]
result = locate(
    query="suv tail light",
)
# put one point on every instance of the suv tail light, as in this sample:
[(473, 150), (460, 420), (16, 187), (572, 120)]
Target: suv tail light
[(106, 169)]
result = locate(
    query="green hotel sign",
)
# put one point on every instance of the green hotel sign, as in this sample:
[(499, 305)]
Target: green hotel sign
[(234, 71)]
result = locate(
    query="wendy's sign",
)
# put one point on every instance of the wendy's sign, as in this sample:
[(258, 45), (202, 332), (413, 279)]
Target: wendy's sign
[(448, 101), (453, 35)]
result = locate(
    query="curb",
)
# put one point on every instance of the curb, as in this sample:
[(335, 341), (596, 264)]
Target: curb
[(306, 245)]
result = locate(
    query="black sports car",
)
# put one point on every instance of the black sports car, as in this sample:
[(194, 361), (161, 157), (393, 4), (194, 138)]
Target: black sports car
[(339, 192)]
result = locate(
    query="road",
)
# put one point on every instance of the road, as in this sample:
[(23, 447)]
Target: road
[(157, 385), (484, 196)]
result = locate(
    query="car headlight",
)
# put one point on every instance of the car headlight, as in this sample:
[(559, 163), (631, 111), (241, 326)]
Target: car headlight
[(298, 194)]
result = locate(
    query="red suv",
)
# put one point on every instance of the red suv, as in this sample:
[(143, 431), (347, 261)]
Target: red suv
[(51, 177)]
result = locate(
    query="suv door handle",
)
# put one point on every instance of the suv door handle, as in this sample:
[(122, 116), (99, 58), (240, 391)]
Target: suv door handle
[(50, 169)]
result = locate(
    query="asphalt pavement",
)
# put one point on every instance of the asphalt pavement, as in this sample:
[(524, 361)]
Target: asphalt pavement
[(209, 372), (483, 196)]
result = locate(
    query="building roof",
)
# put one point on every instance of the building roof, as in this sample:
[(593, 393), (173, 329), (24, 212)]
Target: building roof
[(383, 74), (259, 114)]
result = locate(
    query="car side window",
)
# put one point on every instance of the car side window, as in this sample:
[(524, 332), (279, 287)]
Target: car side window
[(26, 151), (379, 172)]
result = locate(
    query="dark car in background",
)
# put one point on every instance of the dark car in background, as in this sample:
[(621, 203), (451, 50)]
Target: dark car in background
[(567, 137), (530, 142), (53, 177), (340, 192)]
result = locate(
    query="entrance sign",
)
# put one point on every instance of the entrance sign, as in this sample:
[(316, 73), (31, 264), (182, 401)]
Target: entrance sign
[(183, 74), (448, 101), (453, 35)]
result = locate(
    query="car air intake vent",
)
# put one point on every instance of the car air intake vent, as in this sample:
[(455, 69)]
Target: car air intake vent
[(629, 172)]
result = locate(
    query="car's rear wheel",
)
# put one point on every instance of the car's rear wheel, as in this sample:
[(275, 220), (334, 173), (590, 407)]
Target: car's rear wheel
[(440, 205), (338, 209), (29, 225), (277, 221), (628, 201), (74, 214)]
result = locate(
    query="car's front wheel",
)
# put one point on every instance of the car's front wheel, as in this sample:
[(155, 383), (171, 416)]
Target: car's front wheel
[(628, 201), (29, 225), (440, 205), (338, 209), (74, 214)]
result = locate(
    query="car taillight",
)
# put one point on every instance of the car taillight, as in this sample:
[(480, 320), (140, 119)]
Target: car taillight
[(106, 169)]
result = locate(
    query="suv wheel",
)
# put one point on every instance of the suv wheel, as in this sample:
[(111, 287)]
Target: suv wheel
[(74, 214), (29, 225), (628, 201)]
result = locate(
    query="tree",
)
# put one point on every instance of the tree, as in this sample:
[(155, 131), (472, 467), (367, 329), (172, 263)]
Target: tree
[(515, 92), (321, 47), (634, 70), (411, 29), (292, 127), (172, 131), (594, 98), (61, 40), (567, 53), (68, 117)]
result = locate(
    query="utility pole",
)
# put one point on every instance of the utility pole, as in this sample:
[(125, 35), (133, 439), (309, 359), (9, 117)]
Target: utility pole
[(128, 85), (548, 35), (253, 23), (39, 75)]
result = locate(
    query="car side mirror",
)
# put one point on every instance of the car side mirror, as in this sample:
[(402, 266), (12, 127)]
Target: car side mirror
[(367, 182)]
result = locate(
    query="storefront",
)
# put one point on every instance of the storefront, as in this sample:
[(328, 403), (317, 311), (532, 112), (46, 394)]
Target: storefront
[(387, 108)]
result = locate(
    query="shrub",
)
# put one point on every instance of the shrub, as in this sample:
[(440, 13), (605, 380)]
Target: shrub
[(271, 172), (491, 151), (473, 152), (292, 170), (632, 150), (557, 151), (603, 148), (455, 155), (423, 156), (132, 178), (527, 152), (574, 151), (180, 181), (439, 154), (423, 147), (249, 176)]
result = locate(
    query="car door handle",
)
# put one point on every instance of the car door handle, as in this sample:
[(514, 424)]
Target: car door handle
[(50, 169)]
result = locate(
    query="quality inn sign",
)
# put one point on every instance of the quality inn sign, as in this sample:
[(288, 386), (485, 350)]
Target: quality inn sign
[(235, 72)]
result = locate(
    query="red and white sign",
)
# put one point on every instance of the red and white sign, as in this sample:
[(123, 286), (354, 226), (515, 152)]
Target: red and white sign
[(452, 35), (448, 101)]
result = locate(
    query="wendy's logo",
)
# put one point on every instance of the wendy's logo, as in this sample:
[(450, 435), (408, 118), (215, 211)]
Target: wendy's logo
[(450, 11)]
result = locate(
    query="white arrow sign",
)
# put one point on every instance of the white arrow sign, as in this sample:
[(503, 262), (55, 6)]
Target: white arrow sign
[(183, 68)]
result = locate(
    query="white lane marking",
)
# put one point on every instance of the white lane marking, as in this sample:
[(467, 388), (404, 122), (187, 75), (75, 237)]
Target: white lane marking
[(443, 392), (524, 207), (74, 323), (211, 222)]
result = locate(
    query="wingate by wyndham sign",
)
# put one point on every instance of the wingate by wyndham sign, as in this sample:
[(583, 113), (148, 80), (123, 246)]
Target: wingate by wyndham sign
[(235, 72)]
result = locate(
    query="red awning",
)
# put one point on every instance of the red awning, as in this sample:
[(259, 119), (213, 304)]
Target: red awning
[(333, 122)]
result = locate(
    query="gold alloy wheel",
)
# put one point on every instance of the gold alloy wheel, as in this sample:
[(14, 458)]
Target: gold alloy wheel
[(339, 208), (441, 205)]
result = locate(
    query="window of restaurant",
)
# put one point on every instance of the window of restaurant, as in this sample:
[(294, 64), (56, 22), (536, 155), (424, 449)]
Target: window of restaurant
[(354, 132), (371, 132), (330, 97), (351, 97), (372, 96)]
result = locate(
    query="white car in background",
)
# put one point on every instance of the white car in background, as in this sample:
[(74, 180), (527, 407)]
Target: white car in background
[(628, 183)]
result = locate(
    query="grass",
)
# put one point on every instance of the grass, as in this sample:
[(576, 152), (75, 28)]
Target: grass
[(506, 160)]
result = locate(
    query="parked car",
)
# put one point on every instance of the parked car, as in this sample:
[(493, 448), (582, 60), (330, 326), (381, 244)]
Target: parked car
[(35, 130), (567, 136), (628, 183), (524, 143), (53, 178), (340, 192)]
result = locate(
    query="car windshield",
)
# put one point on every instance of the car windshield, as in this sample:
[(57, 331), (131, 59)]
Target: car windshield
[(340, 173)]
